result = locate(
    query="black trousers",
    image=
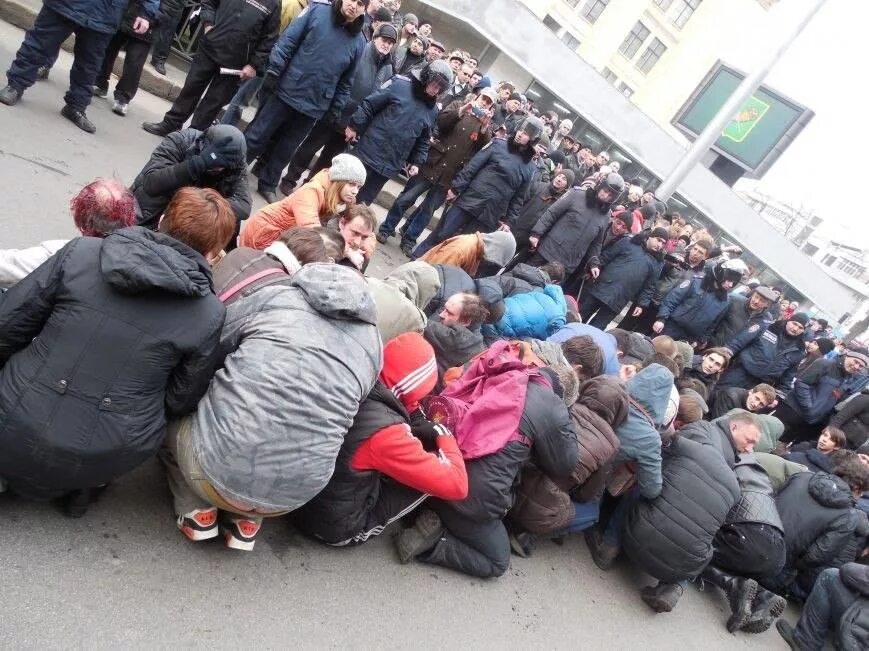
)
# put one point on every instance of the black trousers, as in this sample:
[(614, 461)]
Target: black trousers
[(796, 429), (163, 36), (134, 62), (749, 549), (596, 313), (204, 74), (476, 548), (325, 136)]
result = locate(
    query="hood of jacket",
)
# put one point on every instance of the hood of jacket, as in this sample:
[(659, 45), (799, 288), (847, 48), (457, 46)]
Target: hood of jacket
[(856, 577), (640, 240), (135, 260), (336, 292), (606, 396), (238, 145), (532, 275), (830, 491), (418, 281), (651, 388)]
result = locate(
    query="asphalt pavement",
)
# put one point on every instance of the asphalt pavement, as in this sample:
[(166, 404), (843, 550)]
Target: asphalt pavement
[(124, 577)]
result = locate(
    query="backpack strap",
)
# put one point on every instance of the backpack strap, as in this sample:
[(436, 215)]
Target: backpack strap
[(273, 275), (643, 411)]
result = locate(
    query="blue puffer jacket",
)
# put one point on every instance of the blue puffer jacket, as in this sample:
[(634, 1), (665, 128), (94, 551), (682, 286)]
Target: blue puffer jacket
[(394, 126), (640, 441), (764, 355), (629, 271), (494, 184), (536, 314), (817, 390), (99, 15), (315, 58), (692, 313)]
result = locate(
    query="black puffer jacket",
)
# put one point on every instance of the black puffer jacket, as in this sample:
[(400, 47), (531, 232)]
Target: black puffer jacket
[(493, 479), (629, 273), (819, 522), (853, 419), (522, 279), (853, 633), (96, 347), (540, 197), (243, 31), (571, 231), (168, 170), (670, 537)]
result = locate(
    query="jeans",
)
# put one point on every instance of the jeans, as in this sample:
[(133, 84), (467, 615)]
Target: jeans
[(291, 127), (476, 548), (413, 190), (421, 216), (452, 222), (134, 62), (41, 45), (615, 530), (205, 92), (188, 483), (242, 98), (828, 601), (374, 182), (585, 516), (604, 316)]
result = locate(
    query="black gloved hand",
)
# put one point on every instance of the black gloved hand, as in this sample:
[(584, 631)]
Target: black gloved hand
[(425, 430), (270, 82), (214, 156)]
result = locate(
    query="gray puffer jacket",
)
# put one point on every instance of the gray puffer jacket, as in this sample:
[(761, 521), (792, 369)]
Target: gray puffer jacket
[(300, 361)]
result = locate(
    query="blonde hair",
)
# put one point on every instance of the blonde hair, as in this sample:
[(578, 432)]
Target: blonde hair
[(332, 200)]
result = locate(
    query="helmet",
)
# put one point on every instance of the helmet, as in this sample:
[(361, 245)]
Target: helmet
[(439, 72), (533, 126), (731, 270), (612, 181)]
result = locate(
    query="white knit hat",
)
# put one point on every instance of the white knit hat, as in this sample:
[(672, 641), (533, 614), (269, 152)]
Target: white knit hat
[(347, 168)]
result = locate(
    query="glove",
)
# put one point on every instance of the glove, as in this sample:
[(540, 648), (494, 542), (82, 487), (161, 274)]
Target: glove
[(425, 430), (270, 82), (215, 155)]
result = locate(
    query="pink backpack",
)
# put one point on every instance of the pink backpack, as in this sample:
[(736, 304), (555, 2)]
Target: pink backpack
[(483, 407)]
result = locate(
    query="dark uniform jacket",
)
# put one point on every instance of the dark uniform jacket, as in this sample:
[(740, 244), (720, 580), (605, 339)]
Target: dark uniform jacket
[(243, 31), (629, 273), (764, 354), (99, 15)]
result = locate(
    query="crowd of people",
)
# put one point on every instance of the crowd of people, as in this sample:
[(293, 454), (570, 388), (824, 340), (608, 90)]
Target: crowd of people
[(562, 354)]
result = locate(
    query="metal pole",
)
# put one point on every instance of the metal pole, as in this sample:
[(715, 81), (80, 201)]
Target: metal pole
[(716, 125)]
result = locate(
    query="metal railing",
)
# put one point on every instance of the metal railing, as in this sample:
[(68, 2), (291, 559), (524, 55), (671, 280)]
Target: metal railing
[(186, 38)]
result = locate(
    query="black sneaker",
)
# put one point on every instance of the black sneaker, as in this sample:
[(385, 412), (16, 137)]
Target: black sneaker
[(407, 249), (159, 67), (10, 96), (78, 118), (158, 128), (240, 533), (382, 237), (101, 92)]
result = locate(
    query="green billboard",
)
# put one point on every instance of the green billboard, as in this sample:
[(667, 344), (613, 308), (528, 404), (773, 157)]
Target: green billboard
[(759, 132)]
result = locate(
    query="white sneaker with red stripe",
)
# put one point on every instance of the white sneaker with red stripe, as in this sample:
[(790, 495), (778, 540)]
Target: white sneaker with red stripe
[(240, 533), (199, 524)]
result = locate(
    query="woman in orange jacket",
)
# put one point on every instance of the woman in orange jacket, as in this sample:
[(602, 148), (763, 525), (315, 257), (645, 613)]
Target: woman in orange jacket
[(324, 196)]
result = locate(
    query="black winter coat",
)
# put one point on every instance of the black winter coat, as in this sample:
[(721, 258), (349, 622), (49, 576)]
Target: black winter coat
[(670, 537), (99, 15), (762, 354), (571, 231), (853, 419), (522, 279), (629, 273), (342, 509), (493, 479), (243, 32), (810, 456), (726, 398), (136, 9), (494, 183), (737, 319), (372, 71), (819, 521), (96, 347), (853, 633), (167, 171), (540, 197)]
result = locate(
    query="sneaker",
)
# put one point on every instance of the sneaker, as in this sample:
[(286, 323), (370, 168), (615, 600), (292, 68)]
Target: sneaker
[(199, 524), (407, 249), (119, 108), (603, 555), (100, 92), (158, 128), (78, 118), (159, 67), (42, 73), (421, 537), (382, 237), (662, 598), (10, 96), (787, 632), (522, 544), (240, 533)]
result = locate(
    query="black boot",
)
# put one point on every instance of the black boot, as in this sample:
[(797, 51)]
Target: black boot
[(10, 96), (158, 128), (159, 66), (767, 608), (78, 118), (740, 595), (662, 598)]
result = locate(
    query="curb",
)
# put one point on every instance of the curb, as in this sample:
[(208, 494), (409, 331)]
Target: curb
[(23, 16)]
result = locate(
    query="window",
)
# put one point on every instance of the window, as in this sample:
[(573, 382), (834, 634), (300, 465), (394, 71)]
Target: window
[(592, 9), (570, 40), (609, 75), (634, 40), (625, 90), (664, 4), (683, 10), (851, 268), (810, 249), (829, 260), (650, 57), (571, 3), (551, 23)]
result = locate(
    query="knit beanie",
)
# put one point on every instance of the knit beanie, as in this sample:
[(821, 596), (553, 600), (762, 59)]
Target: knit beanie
[(857, 352), (570, 176), (625, 217), (800, 317), (346, 167), (825, 345), (409, 368), (411, 19), (660, 233), (498, 247)]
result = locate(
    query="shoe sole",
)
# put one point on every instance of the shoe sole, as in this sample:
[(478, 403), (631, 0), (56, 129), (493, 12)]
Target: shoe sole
[(235, 543), (119, 112), (517, 548), (763, 625), (198, 535), (737, 620)]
